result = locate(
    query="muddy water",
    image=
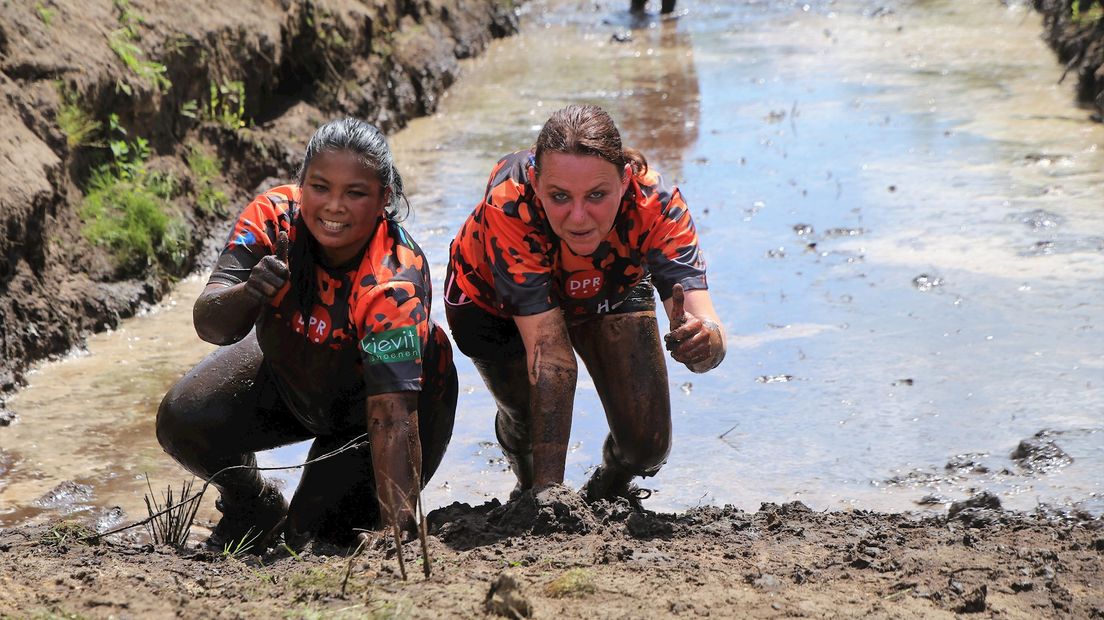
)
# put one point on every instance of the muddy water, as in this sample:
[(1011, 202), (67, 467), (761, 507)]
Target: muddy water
[(900, 206)]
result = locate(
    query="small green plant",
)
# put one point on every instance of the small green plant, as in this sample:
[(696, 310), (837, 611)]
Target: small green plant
[(315, 583), (205, 170), (44, 14), (234, 549), (65, 532), (171, 523), (226, 104), (190, 109), (1086, 13), (126, 217), (178, 43), (79, 127), (124, 210), (291, 552), (128, 159), (575, 583), (122, 43), (128, 19)]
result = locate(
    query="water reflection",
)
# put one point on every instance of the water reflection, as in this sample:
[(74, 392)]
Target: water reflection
[(901, 213), (661, 114)]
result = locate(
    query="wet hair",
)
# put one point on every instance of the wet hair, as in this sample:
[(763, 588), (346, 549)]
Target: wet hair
[(582, 129), (367, 142)]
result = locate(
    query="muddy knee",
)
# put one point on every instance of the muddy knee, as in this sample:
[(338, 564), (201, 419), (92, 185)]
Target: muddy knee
[(172, 423), (642, 455)]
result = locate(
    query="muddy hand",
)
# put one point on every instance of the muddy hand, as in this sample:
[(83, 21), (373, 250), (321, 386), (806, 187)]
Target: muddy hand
[(282, 245), (271, 273), (690, 339), (678, 317)]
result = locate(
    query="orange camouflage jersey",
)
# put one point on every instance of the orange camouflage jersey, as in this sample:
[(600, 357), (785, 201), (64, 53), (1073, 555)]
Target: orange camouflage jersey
[(507, 259), (369, 331)]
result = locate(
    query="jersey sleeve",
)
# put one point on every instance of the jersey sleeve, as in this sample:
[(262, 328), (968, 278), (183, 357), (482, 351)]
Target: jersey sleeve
[(518, 250), (671, 247), (252, 238), (393, 329)]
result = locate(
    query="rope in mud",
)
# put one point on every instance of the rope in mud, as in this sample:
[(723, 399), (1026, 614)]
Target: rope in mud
[(352, 444)]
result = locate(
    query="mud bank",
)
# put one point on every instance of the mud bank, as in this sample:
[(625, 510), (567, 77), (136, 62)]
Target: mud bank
[(214, 97), (1077, 34), (562, 558)]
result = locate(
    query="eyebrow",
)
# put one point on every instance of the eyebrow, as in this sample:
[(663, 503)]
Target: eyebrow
[(601, 185), (315, 176)]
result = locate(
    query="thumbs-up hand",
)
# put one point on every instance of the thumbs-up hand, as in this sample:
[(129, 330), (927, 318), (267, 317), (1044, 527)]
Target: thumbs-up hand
[(678, 307), (690, 339), (282, 244), (271, 273)]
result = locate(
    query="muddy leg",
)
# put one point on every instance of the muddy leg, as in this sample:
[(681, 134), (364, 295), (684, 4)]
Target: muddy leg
[(508, 382), (218, 415), (334, 496), (623, 356), (637, 6), (668, 6), (338, 495), (436, 417)]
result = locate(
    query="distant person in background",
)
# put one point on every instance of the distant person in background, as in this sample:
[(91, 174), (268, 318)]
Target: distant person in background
[(666, 6), (560, 257), (343, 346)]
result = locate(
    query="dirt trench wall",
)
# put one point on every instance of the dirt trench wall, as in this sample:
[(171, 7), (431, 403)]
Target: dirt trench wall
[(1077, 35), (288, 64)]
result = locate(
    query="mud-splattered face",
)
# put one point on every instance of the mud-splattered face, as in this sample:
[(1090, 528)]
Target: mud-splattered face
[(342, 203), (581, 195)]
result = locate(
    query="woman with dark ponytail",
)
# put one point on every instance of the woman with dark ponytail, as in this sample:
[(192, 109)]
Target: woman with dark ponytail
[(343, 348), (564, 254)]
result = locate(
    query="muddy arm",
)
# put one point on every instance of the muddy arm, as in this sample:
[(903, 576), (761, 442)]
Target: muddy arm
[(697, 338), (396, 456), (552, 375), (224, 314)]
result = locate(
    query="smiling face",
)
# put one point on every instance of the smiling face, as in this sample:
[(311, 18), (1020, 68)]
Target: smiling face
[(342, 203), (581, 195)]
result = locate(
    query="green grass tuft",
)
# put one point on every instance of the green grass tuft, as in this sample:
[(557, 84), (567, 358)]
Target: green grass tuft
[(1090, 16), (66, 532), (575, 583), (126, 216), (235, 549), (124, 47), (75, 122), (124, 209), (206, 169), (44, 14)]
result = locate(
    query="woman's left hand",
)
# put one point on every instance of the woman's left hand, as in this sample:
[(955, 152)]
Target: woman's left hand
[(696, 342)]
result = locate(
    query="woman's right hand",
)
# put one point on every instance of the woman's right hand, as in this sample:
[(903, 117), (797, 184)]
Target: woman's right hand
[(269, 276), (224, 314)]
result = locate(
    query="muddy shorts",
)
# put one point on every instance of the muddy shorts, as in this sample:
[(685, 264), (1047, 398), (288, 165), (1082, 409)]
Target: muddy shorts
[(483, 336)]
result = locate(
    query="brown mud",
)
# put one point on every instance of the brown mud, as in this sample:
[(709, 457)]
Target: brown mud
[(1078, 38), (559, 557), (158, 66)]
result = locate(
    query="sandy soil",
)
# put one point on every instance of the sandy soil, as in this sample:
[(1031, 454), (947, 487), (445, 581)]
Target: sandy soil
[(558, 557)]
